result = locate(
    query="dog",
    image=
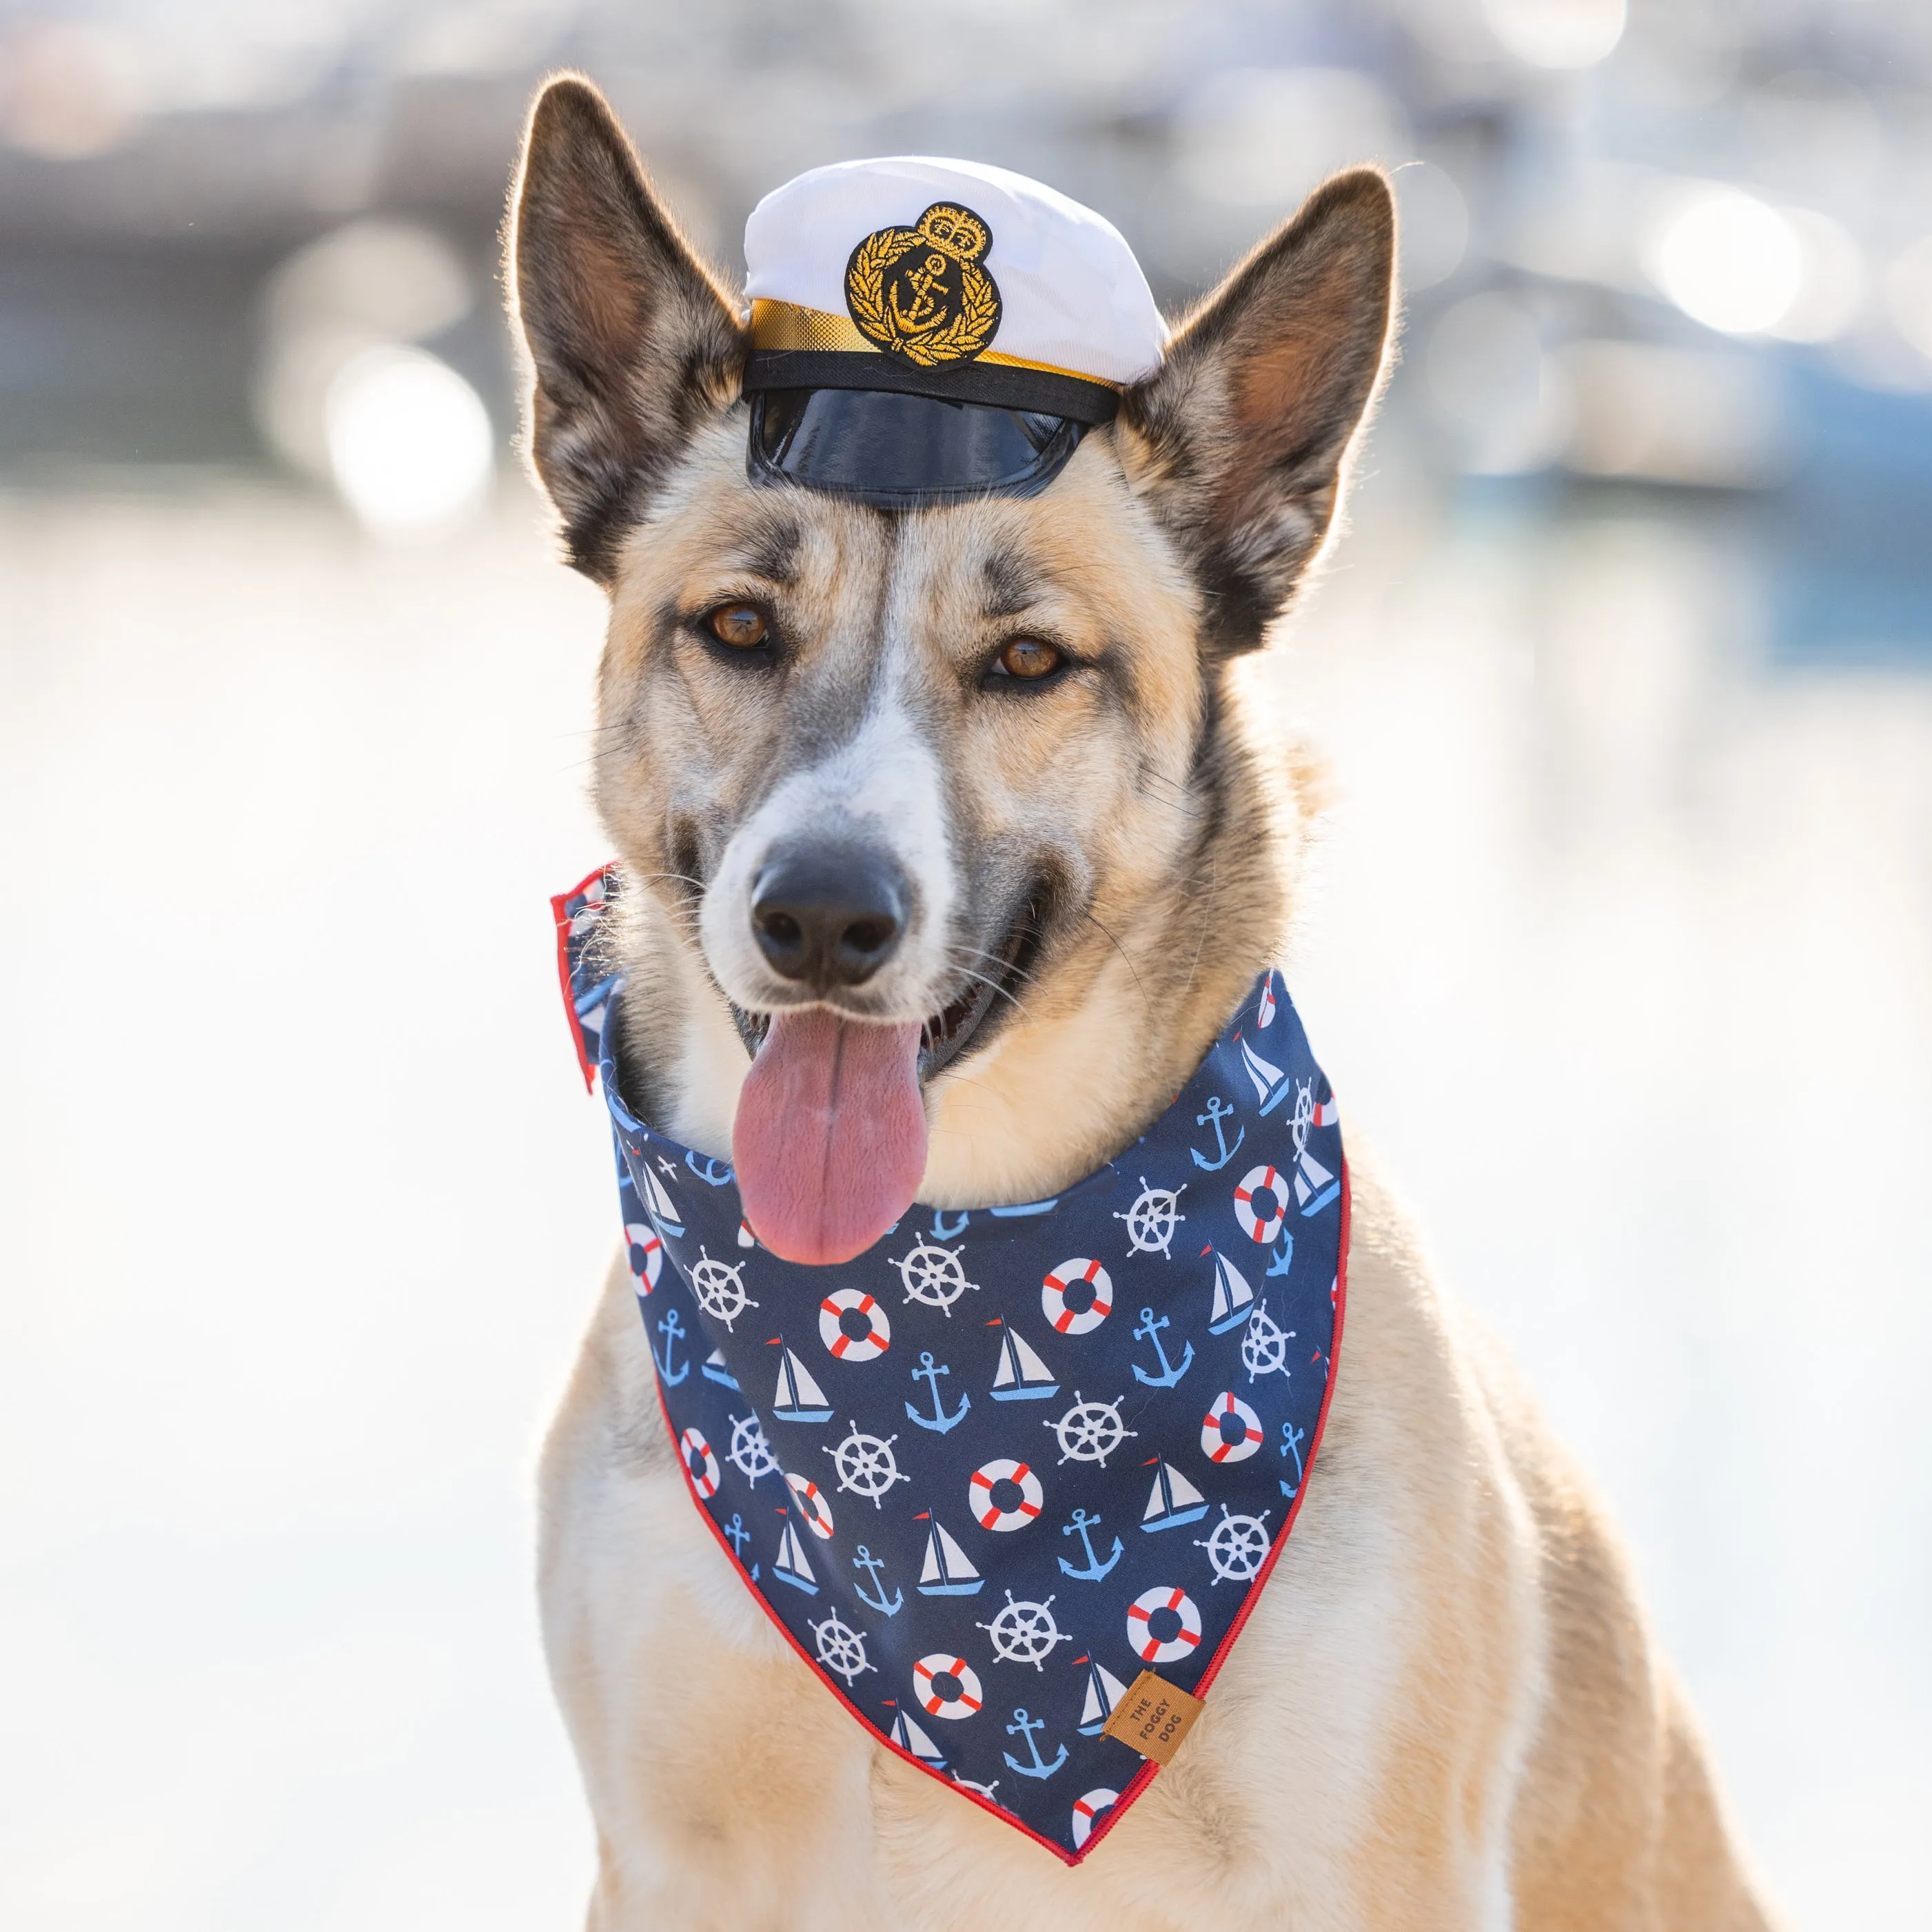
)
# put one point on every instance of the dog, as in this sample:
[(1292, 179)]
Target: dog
[(1447, 1711)]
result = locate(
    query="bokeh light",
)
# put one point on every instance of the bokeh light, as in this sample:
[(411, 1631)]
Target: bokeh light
[(1832, 282), (409, 442), (1726, 259), (1908, 294), (1557, 33), (69, 89)]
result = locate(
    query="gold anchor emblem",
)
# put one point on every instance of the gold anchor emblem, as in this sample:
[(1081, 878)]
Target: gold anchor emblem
[(920, 292)]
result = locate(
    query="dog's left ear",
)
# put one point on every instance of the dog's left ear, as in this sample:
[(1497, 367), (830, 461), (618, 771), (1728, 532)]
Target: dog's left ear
[(1238, 439)]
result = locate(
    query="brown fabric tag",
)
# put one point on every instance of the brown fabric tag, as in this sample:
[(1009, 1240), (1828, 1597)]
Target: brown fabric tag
[(1153, 1717)]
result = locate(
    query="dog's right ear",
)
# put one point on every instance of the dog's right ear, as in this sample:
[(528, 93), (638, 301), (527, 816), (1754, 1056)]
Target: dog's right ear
[(632, 342)]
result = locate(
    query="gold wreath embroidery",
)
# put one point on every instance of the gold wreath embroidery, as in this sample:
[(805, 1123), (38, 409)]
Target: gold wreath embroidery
[(937, 306)]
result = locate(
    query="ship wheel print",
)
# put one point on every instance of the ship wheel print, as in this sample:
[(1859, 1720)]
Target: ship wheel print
[(933, 1275), (1090, 1432), (1025, 1633), (1238, 1547), (750, 1453), (865, 1464), (1264, 1345), (1153, 1218), (840, 1648), (720, 1288)]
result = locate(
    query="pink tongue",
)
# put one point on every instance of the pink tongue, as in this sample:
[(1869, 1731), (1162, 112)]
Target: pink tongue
[(829, 1142)]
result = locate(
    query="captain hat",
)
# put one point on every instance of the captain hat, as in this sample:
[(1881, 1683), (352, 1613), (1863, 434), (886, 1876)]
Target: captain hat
[(924, 332)]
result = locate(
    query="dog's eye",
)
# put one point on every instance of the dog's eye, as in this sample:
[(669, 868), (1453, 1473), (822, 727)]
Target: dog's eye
[(742, 626), (1027, 658)]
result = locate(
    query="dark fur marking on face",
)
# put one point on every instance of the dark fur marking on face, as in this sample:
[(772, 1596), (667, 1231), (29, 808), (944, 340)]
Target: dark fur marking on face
[(1013, 582), (772, 552), (1116, 682), (669, 621)]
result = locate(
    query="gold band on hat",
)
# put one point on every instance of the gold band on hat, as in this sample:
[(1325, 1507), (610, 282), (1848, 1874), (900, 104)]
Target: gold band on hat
[(783, 325)]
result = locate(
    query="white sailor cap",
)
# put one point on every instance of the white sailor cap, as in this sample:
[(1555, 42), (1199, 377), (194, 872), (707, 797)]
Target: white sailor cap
[(924, 332)]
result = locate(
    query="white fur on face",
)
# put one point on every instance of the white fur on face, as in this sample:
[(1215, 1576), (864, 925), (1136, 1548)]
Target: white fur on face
[(884, 788)]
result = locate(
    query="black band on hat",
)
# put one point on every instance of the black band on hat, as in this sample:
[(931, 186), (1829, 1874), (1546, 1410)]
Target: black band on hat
[(996, 385), (903, 452)]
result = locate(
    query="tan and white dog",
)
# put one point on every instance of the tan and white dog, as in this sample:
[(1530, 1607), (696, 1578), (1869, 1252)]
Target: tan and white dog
[(1447, 1711)]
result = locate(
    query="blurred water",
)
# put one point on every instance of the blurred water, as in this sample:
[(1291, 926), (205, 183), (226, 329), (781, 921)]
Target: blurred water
[(1619, 949)]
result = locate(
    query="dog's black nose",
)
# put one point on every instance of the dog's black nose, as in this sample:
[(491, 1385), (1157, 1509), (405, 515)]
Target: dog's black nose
[(829, 918)]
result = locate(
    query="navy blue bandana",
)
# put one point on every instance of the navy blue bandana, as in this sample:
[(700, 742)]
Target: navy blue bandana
[(986, 1473)]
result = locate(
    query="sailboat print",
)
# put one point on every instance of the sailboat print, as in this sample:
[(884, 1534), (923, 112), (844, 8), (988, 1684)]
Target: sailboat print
[(947, 1570), (799, 1399), (1271, 1085), (1315, 1187), (714, 1368), (909, 1737), (1173, 1500), (664, 1210), (1022, 1376), (792, 1566), (1104, 1690), (1233, 1299)]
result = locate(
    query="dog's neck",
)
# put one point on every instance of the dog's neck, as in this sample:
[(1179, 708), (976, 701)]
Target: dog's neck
[(1053, 1095)]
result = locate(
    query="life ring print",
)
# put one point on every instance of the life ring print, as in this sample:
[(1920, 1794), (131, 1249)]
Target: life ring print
[(1089, 1810), (699, 1465), (1077, 1296), (1004, 1495), (1163, 1624), (813, 1507), (946, 1686), (853, 1326), (645, 1254), (1262, 1219), (1232, 1431)]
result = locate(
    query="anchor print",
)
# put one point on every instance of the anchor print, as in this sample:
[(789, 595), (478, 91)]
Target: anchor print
[(739, 1535), (1283, 1254), (1171, 1372), (1025, 1726), (948, 1227), (1291, 1440), (713, 1173), (872, 1565), (938, 1421), (1218, 1111), (672, 1331), (1095, 1570)]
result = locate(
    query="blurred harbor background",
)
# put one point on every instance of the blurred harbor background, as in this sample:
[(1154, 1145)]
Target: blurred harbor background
[(1619, 943)]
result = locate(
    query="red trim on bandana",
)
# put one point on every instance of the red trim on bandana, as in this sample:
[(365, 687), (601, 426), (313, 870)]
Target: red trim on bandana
[(562, 918)]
